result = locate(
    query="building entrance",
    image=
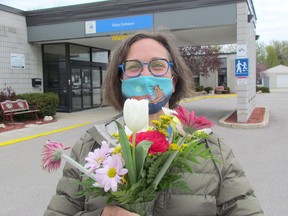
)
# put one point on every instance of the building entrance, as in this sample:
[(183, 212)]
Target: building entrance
[(75, 74), (85, 85)]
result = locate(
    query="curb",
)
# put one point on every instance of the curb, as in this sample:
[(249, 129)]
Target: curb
[(10, 142), (208, 96), (262, 124)]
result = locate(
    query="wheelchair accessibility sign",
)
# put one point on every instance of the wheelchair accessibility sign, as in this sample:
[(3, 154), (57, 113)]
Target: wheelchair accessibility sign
[(241, 67)]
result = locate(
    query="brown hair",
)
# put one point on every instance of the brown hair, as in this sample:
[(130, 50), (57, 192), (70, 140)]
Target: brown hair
[(112, 93)]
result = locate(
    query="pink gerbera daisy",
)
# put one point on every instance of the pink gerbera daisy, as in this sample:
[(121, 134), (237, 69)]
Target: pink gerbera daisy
[(190, 121), (111, 174), (51, 153), (95, 159)]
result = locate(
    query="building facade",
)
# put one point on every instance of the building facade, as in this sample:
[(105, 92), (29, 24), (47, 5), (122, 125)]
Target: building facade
[(20, 61), (225, 77), (65, 50)]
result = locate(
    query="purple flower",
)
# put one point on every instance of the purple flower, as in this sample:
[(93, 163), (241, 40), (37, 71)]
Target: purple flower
[(111, 174), (96, 158)]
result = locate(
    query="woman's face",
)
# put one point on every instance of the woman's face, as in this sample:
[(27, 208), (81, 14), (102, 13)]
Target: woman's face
[(145, 50)]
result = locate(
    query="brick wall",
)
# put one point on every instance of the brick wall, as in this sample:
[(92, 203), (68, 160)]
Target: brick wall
[(246, 36), (13, 40)]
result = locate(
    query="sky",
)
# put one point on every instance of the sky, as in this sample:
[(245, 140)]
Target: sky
[(271, 24)]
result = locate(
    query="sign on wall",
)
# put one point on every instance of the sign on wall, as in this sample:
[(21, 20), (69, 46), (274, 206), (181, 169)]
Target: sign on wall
[(17, 61), (241, 51), (242, 81), (119, 24), (241, 67)]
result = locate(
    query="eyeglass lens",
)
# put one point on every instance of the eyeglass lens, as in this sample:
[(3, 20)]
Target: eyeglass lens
[(157, 67)]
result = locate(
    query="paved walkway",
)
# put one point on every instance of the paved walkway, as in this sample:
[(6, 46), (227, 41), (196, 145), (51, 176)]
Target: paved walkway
[(65, 121)]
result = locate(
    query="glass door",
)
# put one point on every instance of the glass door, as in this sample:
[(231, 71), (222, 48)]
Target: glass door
[(85, 86), (76, 86), (96, 86)]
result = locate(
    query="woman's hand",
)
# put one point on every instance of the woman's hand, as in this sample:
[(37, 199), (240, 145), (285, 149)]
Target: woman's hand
[(116, 211)]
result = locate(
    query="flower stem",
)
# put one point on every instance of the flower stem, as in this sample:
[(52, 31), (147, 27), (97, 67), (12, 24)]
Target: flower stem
[(77, 165), (134, 152)]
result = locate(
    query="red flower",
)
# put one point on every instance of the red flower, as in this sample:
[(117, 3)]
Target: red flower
[(160, 144), (190, 121)]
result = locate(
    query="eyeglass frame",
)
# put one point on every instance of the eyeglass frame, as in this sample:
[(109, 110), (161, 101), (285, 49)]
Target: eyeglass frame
[(142, 67)]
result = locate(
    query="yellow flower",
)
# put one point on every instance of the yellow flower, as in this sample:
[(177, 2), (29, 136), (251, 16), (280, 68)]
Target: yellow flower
[(165, 126), (117, 150), (156, 123), (174, 147), (116, 135), (166, 118), (123, 180), (164, 132), (184, 146)]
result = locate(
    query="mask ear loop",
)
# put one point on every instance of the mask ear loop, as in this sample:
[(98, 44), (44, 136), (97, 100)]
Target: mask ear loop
[(174, 82)]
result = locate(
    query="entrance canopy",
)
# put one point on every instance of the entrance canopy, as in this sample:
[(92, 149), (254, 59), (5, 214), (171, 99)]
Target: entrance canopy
[(104, 24)]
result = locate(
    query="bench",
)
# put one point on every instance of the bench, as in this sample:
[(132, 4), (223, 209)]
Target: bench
[(11, 108), (220, 90)]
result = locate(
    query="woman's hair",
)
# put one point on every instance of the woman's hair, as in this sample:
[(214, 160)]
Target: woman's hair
[(112, 93)]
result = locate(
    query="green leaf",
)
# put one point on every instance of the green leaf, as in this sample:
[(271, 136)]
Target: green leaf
[(141, 153), (126, 153), (167, 163), (155, 165)]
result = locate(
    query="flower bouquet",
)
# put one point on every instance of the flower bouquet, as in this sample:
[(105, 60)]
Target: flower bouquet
[(146, 161)]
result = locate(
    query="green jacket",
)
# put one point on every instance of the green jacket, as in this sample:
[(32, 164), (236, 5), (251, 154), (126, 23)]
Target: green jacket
[(218, 188)]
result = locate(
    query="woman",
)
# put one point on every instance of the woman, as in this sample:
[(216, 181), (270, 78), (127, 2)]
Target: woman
[(139, 64)]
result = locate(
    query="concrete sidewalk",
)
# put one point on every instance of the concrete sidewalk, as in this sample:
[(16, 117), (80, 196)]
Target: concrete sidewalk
[(65, 121)]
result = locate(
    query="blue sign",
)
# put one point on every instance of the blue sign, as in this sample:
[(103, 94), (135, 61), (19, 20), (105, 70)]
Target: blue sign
[(124, 23), (241, 67)]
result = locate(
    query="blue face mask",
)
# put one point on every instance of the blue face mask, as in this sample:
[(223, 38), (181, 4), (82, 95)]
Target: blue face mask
[(157, 90)]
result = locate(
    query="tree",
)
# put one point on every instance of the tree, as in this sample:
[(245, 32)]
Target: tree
[(202, 60), (272, 55), (272, 59), (281, 48), (261, 53), (228, 48)]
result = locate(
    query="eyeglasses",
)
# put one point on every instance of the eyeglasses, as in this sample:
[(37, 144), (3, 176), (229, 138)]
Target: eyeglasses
[(133, 68)]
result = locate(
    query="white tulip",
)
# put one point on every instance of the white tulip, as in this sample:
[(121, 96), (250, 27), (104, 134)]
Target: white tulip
[(136, 114)]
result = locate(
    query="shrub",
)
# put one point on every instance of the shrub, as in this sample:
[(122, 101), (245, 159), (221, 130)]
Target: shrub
[(208, 89), (227, 90), (46, 102), (7, 94), (199, 88), (262, 89)]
